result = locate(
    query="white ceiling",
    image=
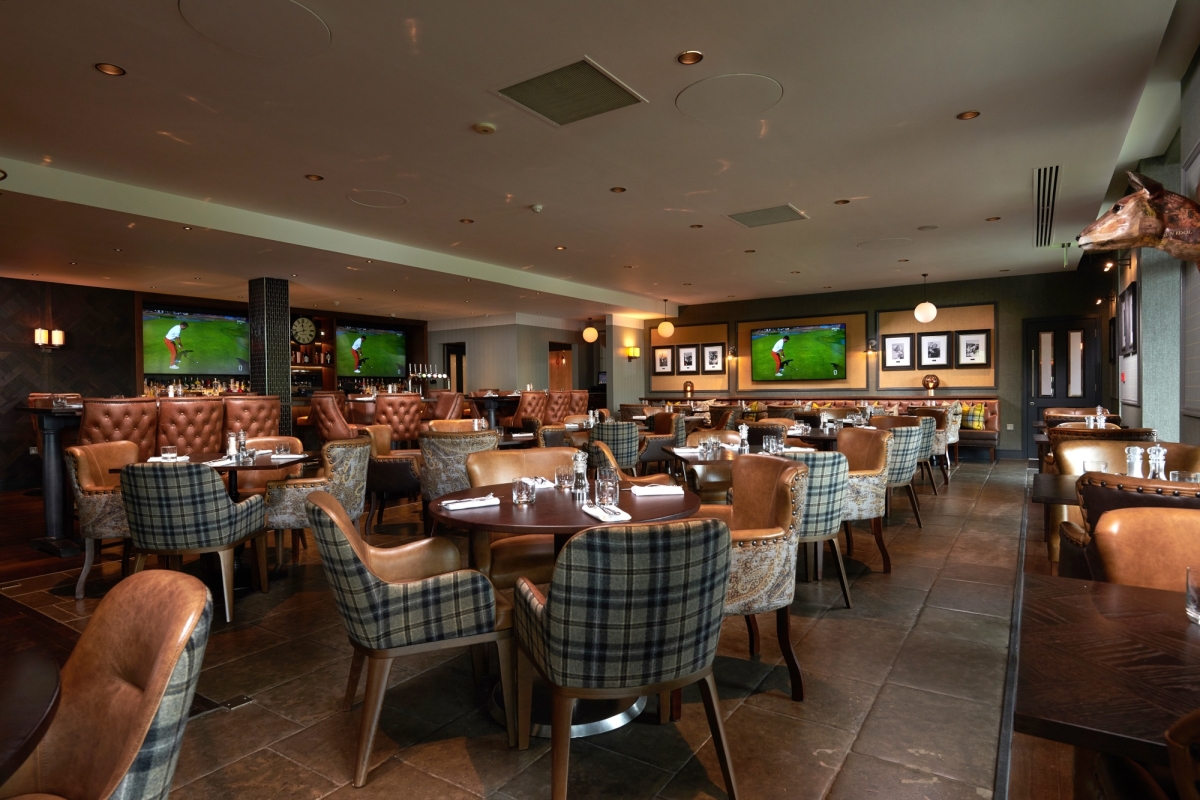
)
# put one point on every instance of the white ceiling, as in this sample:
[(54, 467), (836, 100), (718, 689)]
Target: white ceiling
[(870, 93)]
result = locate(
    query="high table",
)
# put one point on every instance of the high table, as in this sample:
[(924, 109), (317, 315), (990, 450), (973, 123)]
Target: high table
[(1105, 667), (29, 694), (1053, 490), (556, 512), (488, 406), (51, 422)]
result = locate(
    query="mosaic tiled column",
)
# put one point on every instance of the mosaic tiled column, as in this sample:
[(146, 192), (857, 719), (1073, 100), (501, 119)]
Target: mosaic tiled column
[(270, 345)]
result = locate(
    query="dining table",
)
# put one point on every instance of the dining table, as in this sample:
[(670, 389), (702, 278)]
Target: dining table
[(1051, 489), (1103, 666), (29, 693), (488, 405), (222, 463), (56, 507)]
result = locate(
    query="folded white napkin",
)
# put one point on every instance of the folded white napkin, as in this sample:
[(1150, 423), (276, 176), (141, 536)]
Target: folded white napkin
[(799, 449), (794, 432), (869, 427), (638, 416), (285, 456), (687, 451), (473, 502), (221, 462), (543, 483), (604, 516), (522, 436), (656, 489), (729, 446), (156, 459), (572, 426)]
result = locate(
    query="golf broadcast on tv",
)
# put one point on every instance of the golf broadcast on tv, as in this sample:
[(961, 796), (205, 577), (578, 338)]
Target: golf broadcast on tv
[(369, 352), (176, 342), (799, 353)]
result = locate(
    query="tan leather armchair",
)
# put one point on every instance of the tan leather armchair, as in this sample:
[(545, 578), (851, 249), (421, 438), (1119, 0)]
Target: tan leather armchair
[(401, 412), (390, 472), (579, 402), (504, 557), (97, 491), (132, 419), (531, 404), (1072, 430), (1148, 547), (558, 405), (257, 415), (450, 425), (600, 450), (711, 481), (192, 424), (329, 419)]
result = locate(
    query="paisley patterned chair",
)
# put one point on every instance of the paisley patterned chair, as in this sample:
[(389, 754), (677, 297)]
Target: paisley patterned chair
[(444, 462), (98, 496), (764, 523), (867, 455), (343, 474)]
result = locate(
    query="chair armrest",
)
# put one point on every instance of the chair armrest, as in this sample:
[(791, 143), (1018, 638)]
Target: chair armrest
[(381, 439), (751, 535), (716, 511), (415, 561), (529, 621), (862, 474), (307, 484), (249, 515), (1074, 533)]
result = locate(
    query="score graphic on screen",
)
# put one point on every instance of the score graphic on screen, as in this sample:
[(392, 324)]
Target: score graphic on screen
[(372, 353), (799, 353), (194, 344)]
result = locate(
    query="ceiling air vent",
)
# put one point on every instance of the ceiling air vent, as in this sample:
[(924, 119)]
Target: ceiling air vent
[(571, 93), (1045, 188), (768, 216)]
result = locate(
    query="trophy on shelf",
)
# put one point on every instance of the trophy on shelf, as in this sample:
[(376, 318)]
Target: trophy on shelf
[(422, 376)]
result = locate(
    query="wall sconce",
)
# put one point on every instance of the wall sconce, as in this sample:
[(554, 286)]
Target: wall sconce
[(872, 347), (633, 352), (732, 353), (47, 339)]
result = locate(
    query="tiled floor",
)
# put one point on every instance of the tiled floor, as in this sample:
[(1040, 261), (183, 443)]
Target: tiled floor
[(902, 695)]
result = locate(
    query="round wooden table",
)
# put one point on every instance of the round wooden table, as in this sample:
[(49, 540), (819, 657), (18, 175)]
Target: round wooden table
[(557, 513), (29, 692)]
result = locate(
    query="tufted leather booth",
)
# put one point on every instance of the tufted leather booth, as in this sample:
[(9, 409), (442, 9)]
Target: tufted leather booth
[(121, 420), (531, 404), (449, 406), (328, 418), (503, 557), (1059, 434), (579, 402), (401, 412), (558, 405), (255, 414), (193, 424)]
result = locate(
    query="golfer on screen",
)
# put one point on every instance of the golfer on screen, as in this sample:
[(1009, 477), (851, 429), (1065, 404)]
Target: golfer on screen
[(777, 354), (173, 343), (356, 350)]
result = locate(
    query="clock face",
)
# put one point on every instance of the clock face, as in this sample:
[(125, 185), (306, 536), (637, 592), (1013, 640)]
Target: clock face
[(304, 330)]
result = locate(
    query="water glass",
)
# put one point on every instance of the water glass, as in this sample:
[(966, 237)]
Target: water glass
[(607, 491), (1193, 594), (524, 491), (564, 476), (169, 452), (1095, 466)]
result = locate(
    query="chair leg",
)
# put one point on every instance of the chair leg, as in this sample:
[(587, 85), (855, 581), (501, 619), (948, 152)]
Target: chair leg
[(932, 480), (297, 538), (260, 553), (849, 531), (505, 649), (226, 559), (126, 553), (664, 708), (278, 550), (562, 708), (841, 569), (956, 458), (677, 705), (783, 629), (944, 463), (752, 629), (377, 678), (371, 512), (139, 563), (708, 692), (479, 662), (887, 506), (524, 698), (877, 530), (916, 506), (89, 555), (992, 450), (356, 665)]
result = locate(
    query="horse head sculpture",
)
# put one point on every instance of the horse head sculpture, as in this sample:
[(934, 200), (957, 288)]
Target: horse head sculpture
[(1150, 217)]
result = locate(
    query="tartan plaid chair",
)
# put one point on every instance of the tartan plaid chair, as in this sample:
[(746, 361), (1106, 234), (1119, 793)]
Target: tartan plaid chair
[(126, 690), (622, 441), (868, 454), (906, 450), (764, 523), (933, 433), (632, 610), (828, 485), (670, 430), (182, 508), (399, 601)]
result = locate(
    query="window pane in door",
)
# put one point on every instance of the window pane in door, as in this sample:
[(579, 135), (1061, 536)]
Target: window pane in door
[(1046, 363), (1074, 363)]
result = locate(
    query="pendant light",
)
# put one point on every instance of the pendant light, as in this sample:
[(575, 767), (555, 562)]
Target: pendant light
[(926, 311), (665, 329), (590, 334)]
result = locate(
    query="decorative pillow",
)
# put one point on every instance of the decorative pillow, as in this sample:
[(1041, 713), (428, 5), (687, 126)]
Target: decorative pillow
[(974, 417), (823, 405)]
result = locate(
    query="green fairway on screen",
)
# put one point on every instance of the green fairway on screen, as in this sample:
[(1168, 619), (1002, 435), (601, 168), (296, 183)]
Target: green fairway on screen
[(382, 354), (210, 344), (807, 353)]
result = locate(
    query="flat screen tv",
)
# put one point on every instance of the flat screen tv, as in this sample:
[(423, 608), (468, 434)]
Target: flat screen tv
[(370, 353), (187, 343), (798, 353)]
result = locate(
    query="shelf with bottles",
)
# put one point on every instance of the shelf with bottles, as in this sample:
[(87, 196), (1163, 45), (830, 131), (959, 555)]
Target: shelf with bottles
[(192, 386), (316, 355)]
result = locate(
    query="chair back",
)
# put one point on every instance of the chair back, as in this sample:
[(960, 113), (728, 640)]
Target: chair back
[(177, 506), (531, 404), (1148, 547), (635, 605), (125, 694), (255, 480), (360, 409), (939, 415), (1053, 417), (1106, 426), (557, 407), (192, 424), (1100, 493), (449, 405), (257, 415), (444, 459), (1070, 454), (928, 427), (781, 412), (452, 425), (328, 418), (1183, 751), (766, 427), (132, 419), (490, 467), (622, 441), (337, 394), (828, 485), (721, 435), (344, 463), (671, 424), (720, 422), (96, 489), (402, 413), (579, 402), (408, 608), (93, 463), (865, 450), (1129, 436), (906, 452), (551, 436), (891, 423), (763, 493)]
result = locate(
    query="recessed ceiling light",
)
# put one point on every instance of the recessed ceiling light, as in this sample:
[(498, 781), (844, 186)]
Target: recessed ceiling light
[(687, 284), (901, 260), (3, 174), (466, 221), (293, 274), (110, 69), (187, 227), (841, 202), (560, 247), (195, 279), (751, 251), (689, 57), (927, 227), (617, 189), (483, 127), (315, 177), (116, 249), (992, 219), (697, 226), (73, 263), (153, 287), (369, 261), (795, 272), (967, 115), (730, 295), (468, 280), (828, 287), (1005, 270), (628, 266), (393, 290), (34, 274)]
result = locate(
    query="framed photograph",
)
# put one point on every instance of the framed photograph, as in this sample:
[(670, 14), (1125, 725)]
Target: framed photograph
[(664, 361), (898, 351), (687, 359), (933, 349), (1127, 311), (712, 358), (972, 349)]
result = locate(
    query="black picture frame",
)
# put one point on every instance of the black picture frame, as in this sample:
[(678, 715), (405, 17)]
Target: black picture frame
[(712, 352), (687, 359), (663, 360), (1112, 340), (1128, 311), (963, 343), (890, 359), (944, 341)]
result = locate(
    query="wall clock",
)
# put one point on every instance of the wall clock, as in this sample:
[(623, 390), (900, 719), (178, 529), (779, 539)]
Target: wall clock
[(304, 330)]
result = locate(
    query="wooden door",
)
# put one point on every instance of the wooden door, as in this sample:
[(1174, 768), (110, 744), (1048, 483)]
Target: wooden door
[(1062, 368), (561, 371)]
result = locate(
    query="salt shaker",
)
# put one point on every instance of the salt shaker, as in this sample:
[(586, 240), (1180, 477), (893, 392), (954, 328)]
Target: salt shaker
[(1133, 462), (1158, 462), (744, 436), (231, 445), (580, 486)]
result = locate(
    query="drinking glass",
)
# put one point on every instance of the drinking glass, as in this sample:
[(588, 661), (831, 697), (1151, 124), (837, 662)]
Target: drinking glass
[(282, 449), (607, 491), (564, 476), (524, 491), (1095, 466), (1193, 594), (169, 452)]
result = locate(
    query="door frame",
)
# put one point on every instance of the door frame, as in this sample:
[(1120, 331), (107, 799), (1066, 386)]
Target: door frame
[(1093, 365)]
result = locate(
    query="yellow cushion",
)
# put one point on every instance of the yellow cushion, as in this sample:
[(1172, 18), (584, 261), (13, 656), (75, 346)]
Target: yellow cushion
[(975, 417)]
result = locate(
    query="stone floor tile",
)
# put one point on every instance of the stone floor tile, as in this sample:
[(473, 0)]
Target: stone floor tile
[(909, 576), (918, 548), (330, 746), (319, 693), (981, 628), (979, 573), (881, 602), (953, 666), (438, 695), (979, 598), (236, 640), (472, 752), (852, 648), (260, 671), (828, 699), (221, 737), (594, 773), (259, 776), (395, 779), (866, 777)]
